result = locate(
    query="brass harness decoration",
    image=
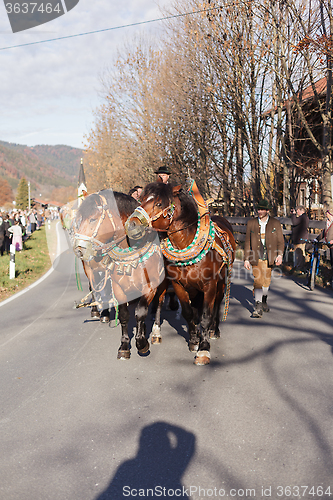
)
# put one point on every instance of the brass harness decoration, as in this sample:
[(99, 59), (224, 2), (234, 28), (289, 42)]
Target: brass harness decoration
[(127, 259)]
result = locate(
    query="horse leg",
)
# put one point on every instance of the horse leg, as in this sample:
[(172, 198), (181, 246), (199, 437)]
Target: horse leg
[(105, 315), (156, 337), (173, 302), (141, 312), (105, 296), (188, 314), (124, 349), (214, 330), (203, 354), (94, 313)]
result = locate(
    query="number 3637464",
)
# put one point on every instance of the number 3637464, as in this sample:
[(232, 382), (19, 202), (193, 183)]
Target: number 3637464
[(32, 7)]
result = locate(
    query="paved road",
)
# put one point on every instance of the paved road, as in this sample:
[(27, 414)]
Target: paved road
[(77, 424)]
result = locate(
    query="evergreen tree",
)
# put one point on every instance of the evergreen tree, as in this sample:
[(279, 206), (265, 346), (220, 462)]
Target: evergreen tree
[(22, 197), (6, 192)]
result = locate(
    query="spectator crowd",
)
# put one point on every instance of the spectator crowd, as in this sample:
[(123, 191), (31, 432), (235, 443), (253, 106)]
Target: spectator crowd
[(16, 226)]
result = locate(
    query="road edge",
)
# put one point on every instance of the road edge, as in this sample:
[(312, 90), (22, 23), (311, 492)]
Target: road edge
[(42, 278)]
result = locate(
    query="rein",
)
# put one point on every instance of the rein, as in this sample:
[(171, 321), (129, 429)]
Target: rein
[(182, 228)]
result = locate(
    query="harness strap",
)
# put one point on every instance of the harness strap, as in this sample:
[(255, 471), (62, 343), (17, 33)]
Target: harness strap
[(227, 253)]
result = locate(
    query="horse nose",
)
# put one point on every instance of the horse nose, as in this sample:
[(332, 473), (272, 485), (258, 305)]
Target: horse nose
[(134, 230), (78, 252)]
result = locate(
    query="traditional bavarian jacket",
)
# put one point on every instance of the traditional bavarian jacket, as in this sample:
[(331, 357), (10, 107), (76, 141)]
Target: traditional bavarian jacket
[(274, 241)]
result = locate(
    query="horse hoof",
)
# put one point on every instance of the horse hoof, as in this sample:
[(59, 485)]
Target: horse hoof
[(202, 358), (193, 346), (156, 337), (104, 319), (94, 314), (123, 354), (145, 349)]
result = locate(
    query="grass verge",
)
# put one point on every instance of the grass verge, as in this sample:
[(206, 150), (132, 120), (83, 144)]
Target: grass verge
[(30, 264)]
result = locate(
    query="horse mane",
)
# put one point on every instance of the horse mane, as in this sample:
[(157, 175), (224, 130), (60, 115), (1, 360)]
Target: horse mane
[(126, 204), (189, 210)]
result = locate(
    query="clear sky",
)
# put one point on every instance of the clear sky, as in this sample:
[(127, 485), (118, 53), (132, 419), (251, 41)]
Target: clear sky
[(48, 91)]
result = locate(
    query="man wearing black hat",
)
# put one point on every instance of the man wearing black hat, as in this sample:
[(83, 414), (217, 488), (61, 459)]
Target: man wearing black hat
[(163, 174), (264, 246)]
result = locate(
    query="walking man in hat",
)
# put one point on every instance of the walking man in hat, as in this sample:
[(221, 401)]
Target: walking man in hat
[(299, 233), (163, 174), (264, 246)]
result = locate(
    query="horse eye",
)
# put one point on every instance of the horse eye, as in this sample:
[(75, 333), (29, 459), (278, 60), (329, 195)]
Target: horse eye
[(92, 220), (159, 204)]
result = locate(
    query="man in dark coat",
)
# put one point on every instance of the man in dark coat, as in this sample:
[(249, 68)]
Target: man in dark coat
[(2, 234), (299, 233), (264, 246), (7, 233)]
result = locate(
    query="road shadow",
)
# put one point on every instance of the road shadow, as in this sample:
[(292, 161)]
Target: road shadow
[(243, 295), (164, 453)]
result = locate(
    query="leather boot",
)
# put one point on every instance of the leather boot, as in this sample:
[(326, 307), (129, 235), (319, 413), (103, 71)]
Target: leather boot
[(265, 307), (257, 313)]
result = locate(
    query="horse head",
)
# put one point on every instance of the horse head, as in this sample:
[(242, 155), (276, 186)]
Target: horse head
[(96, 223), (159, 206)]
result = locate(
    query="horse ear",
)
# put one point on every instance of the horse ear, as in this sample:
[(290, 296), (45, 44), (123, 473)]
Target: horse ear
[(176, 190)]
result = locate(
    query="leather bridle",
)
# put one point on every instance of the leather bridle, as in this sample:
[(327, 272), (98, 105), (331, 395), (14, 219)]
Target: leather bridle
[(141, 214), (90, 244)]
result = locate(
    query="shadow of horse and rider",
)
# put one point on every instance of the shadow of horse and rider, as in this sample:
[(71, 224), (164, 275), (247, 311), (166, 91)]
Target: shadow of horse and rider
[(164, 453)]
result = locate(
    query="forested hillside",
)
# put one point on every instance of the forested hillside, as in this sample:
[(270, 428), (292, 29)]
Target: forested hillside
[(46, 167)]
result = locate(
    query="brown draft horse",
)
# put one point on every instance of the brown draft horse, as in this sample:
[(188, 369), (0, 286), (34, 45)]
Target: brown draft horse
[(115, 275), (200, 284), (67, 214)]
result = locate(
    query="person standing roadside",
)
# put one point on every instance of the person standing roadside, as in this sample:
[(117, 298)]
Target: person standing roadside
[(299, 233), (7, 234), (33, 221), (264, 246), (136, 192), (2, 234), (16, 231), (327, 235)]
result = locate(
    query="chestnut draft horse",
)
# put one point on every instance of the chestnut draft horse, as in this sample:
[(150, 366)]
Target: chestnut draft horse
[(199, 252), (115, 270)]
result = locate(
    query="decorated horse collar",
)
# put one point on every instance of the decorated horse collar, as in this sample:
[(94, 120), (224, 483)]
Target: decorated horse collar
[(197, 249), (124, 260)]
